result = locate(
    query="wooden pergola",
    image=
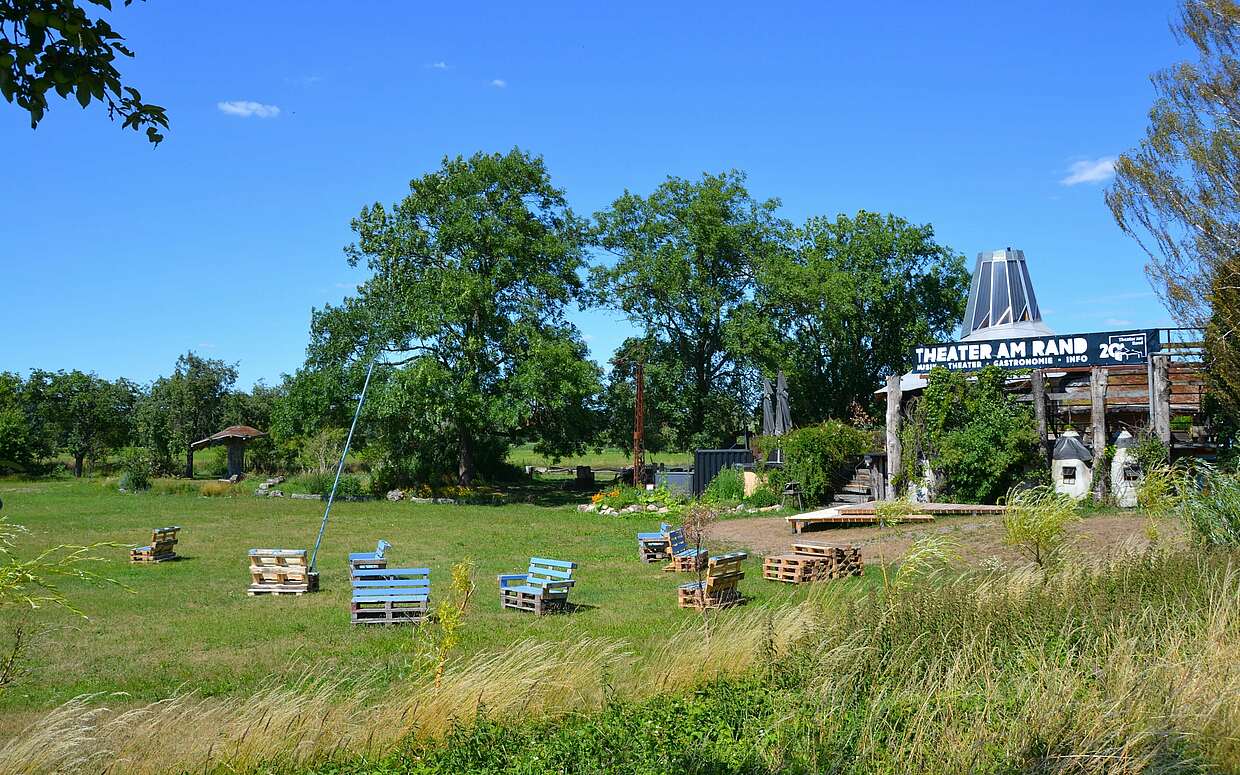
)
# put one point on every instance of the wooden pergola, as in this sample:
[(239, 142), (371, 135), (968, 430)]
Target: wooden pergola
[(235, 437)]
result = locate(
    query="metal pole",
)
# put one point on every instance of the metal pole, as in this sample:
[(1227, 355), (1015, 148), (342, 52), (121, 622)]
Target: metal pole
[(331, 498)]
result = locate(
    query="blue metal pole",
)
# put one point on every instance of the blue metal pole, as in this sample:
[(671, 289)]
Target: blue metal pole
[(331, 498)]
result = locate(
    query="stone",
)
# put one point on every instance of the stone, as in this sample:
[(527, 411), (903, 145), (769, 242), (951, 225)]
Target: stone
[(421, 500), (663, 510), (445, 501), (301, 496), (275, 494), (651, 507), (396, 495)]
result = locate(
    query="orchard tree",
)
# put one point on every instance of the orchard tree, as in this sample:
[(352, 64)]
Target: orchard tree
[(845, 309), (185, 407), (471, 275), (685, 260), (56, 46), (1178, 192), (24, 439), (88, 415)]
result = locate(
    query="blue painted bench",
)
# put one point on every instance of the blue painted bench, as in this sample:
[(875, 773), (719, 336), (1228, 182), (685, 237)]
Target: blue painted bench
[(685, 558), (390, 595), (652, 547), (369, 560), (719, 588), (542, 587)]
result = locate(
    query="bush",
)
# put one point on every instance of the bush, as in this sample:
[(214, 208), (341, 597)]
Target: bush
[(978, 439), (762, 497), (1209, 504), (815, 457), (219, 490), (1036, 521), (136, 468), (728, 486), (321, 484)]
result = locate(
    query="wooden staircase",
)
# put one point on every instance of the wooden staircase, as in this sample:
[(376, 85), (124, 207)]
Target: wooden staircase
[(856, 490)]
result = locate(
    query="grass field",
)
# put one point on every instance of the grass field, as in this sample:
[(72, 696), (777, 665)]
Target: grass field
[(189, 624)]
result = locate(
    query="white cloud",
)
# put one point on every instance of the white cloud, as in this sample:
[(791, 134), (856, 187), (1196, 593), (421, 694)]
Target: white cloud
[(1117, 322), (438, 66), (248, 109), (206, 346), (499, 83), (1088, 171)]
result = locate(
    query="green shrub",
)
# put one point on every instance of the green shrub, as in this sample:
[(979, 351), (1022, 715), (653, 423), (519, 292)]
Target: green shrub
[(1209, 503), (815, 457), (321, 484), (136, 468), (728, 486), (978, 439), (1036, 522), (762, 497), (219, 490)]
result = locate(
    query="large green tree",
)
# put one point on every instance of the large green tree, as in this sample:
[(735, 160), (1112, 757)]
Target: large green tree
[(24, 439), (846, 307), (472, 274), (185, 407), (685, 260), (1178, 192), (87, 414), (57, 46)]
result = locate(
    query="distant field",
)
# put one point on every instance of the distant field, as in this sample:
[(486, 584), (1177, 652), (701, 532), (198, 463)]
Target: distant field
[(189, 624), (610, 457)]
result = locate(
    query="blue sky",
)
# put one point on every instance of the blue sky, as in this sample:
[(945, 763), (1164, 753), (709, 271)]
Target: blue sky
[(994, 122)]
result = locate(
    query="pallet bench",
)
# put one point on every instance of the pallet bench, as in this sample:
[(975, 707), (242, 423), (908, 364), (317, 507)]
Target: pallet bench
[(542, 588), (369, 560), (813, 561), (719, 589), (652, 547), (163, 539), (684, 558), (280, 572), (390, 595)]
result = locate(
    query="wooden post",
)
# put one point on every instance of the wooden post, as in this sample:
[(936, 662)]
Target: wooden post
[(1037, 381), (236, 459), (1160, 398), (877, 491), (1098, 418), (894, 396)]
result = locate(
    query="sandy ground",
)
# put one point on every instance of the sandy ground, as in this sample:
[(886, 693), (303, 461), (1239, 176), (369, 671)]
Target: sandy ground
[(977, 539)]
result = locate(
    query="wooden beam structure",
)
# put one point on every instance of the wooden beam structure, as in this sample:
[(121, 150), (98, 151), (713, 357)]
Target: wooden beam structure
[(894, 396), (1098, 419)]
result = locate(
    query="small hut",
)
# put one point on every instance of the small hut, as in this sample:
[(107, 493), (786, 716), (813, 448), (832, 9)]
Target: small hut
[(1125, 472), (1070, 465), (234, 437)]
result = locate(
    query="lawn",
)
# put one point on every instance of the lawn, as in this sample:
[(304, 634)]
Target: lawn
[(190, 625), (609, 458)]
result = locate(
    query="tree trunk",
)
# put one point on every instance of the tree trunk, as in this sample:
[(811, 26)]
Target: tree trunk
[(77, 465), (189, 463), (1038, 382), (894, 450), (465, 467)]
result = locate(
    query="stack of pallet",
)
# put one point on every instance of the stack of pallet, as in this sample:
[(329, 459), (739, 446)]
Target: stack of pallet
[(814, 561), (280, 572), (163, 539)]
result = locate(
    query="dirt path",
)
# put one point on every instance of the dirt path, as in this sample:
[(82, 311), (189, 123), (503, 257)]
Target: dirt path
[(978, 539)]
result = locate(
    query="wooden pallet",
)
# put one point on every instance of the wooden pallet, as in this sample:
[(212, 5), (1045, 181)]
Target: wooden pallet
[(687, 564), (538, 604), (719, 588), (280, 572), (163, 539), (721, 598), (813, 561), (144, 555), (388, 612), (653, 550)]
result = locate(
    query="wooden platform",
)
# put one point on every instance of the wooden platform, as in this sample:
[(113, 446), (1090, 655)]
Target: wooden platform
[(867, 514)]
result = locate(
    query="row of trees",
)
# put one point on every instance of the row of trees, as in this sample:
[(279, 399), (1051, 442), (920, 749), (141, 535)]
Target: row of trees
[(471, 279)]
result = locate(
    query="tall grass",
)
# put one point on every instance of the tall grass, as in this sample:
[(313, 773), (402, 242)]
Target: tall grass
[(1131, 665)]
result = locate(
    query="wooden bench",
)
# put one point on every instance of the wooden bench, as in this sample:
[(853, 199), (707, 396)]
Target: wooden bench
[(369, 560), (652, 547), (543, 587), (163, 539), (390, 595), (719, 589), (280, 572), (684, 558)]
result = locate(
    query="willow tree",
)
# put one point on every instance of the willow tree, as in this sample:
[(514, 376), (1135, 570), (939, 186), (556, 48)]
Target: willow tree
[(1178, 192), (471, 276)]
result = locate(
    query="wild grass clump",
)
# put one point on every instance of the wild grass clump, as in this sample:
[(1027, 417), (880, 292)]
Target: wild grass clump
[(1036, 520), (728, 486)]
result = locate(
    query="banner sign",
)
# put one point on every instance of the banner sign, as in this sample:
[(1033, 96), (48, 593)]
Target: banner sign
[(1109, 348)]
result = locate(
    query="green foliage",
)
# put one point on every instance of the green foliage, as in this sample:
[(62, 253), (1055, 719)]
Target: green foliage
[(183, 408), (1209, 503), (815, 456), (1149, 450), (1036, 521), (137, 467), (728, 486), (54, 45), (685, 259), (472, 273), (849, 303), (762, 497), (321, 484), (87, 416), (23, 440), (978, 439)]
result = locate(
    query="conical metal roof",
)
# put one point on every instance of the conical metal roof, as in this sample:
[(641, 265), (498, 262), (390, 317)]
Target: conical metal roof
[(1001, 299)]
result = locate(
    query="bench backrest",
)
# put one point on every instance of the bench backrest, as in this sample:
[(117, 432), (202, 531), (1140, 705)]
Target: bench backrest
[(290, 556), (550, 574), (390, 582), (724, 567), (381, 548), (677, 540), (164, 535)]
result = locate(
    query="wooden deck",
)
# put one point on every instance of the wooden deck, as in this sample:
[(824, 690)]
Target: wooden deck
[(865, 514)]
